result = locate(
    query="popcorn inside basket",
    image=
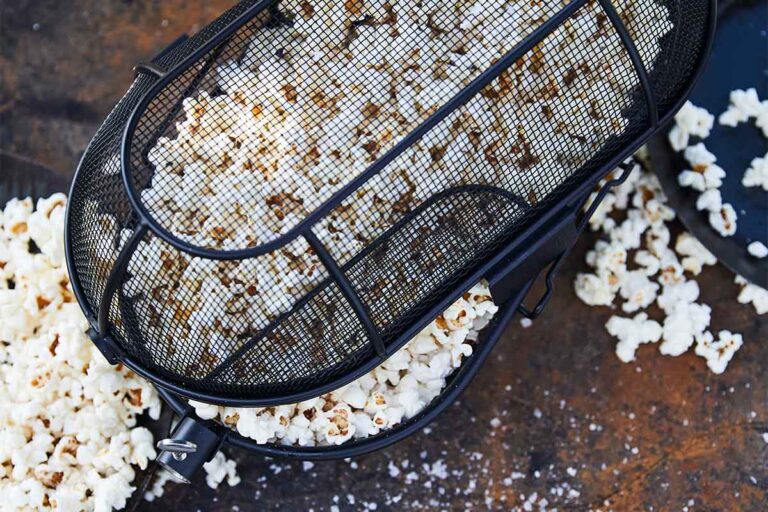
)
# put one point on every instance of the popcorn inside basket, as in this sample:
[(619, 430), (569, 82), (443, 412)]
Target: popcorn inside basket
[(400, 140), (297, 106)]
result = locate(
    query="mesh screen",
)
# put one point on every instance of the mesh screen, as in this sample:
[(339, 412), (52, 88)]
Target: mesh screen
[(254, 138)]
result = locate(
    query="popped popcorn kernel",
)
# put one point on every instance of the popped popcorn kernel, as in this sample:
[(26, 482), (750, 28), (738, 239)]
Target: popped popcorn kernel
[(68, 439)]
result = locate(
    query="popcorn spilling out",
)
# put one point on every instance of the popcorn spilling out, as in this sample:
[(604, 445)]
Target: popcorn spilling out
[(758, 250), (753, 294), (757, 174), (396, 390), (745, 105), (636, 264), (718, 353), (705, 176), (690, 121), (219, 469), (68, 435)]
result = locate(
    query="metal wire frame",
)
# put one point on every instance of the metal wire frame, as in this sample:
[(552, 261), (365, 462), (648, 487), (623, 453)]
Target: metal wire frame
[(512, 251)]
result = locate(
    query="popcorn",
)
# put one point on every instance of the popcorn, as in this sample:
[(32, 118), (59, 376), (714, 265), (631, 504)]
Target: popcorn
[(638, 291), (757, 174), (401, 387), (699, 157), (724, 220), (695, 254), (692, 179), (743, 106), (706, 176), (67, 438), (632, 333), (220, 468), (645, 232), (15, 217), (718, 353), (761, 118), (142, 447), (753, 294), (157, 490), (757, 249), (683, 323), (690, 121), (703, 162), (711, 201)]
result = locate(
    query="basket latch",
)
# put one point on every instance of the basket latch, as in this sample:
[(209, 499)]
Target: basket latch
[(193, 443)]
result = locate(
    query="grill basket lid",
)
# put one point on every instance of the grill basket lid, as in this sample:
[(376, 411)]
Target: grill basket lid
[(281, 201)]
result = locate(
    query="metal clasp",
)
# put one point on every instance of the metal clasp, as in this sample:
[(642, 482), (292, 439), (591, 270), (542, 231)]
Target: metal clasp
[(178, 448)]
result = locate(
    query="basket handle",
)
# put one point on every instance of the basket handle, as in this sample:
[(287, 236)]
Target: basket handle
[(570, 232)]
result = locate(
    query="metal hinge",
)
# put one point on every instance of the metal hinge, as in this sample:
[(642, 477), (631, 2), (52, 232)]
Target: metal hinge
[(151, 67), (192, 443), (107, 346)]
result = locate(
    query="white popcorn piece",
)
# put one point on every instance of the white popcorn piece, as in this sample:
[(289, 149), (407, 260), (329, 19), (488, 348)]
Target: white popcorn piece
[(678, 293), (219, 469), (690, 120), (761, 118), (699, 156), (692, 179), (678, 138), (633, 332), (718, 353), (695, 254), (638, 291), (594, 291), (713, 176), (681, 326), (757, 174), (711, 200), (743, 106), (724, 221), (650, 263), (142, 447), (205, 411), (753, 294), (757, 250), (157, 490)]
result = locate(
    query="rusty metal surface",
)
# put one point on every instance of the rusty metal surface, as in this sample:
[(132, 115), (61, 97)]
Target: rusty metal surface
[(553, 411)]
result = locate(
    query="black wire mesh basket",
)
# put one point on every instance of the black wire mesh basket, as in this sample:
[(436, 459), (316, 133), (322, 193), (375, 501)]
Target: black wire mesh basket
[(282, 201)]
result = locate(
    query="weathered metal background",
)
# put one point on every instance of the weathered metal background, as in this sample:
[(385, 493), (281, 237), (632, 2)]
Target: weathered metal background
[(661, 434)]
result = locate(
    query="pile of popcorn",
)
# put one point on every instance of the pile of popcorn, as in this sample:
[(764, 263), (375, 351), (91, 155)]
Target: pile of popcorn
[(68, 435), (310, 105), (638, 265), (395, 391), (705, 176)]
